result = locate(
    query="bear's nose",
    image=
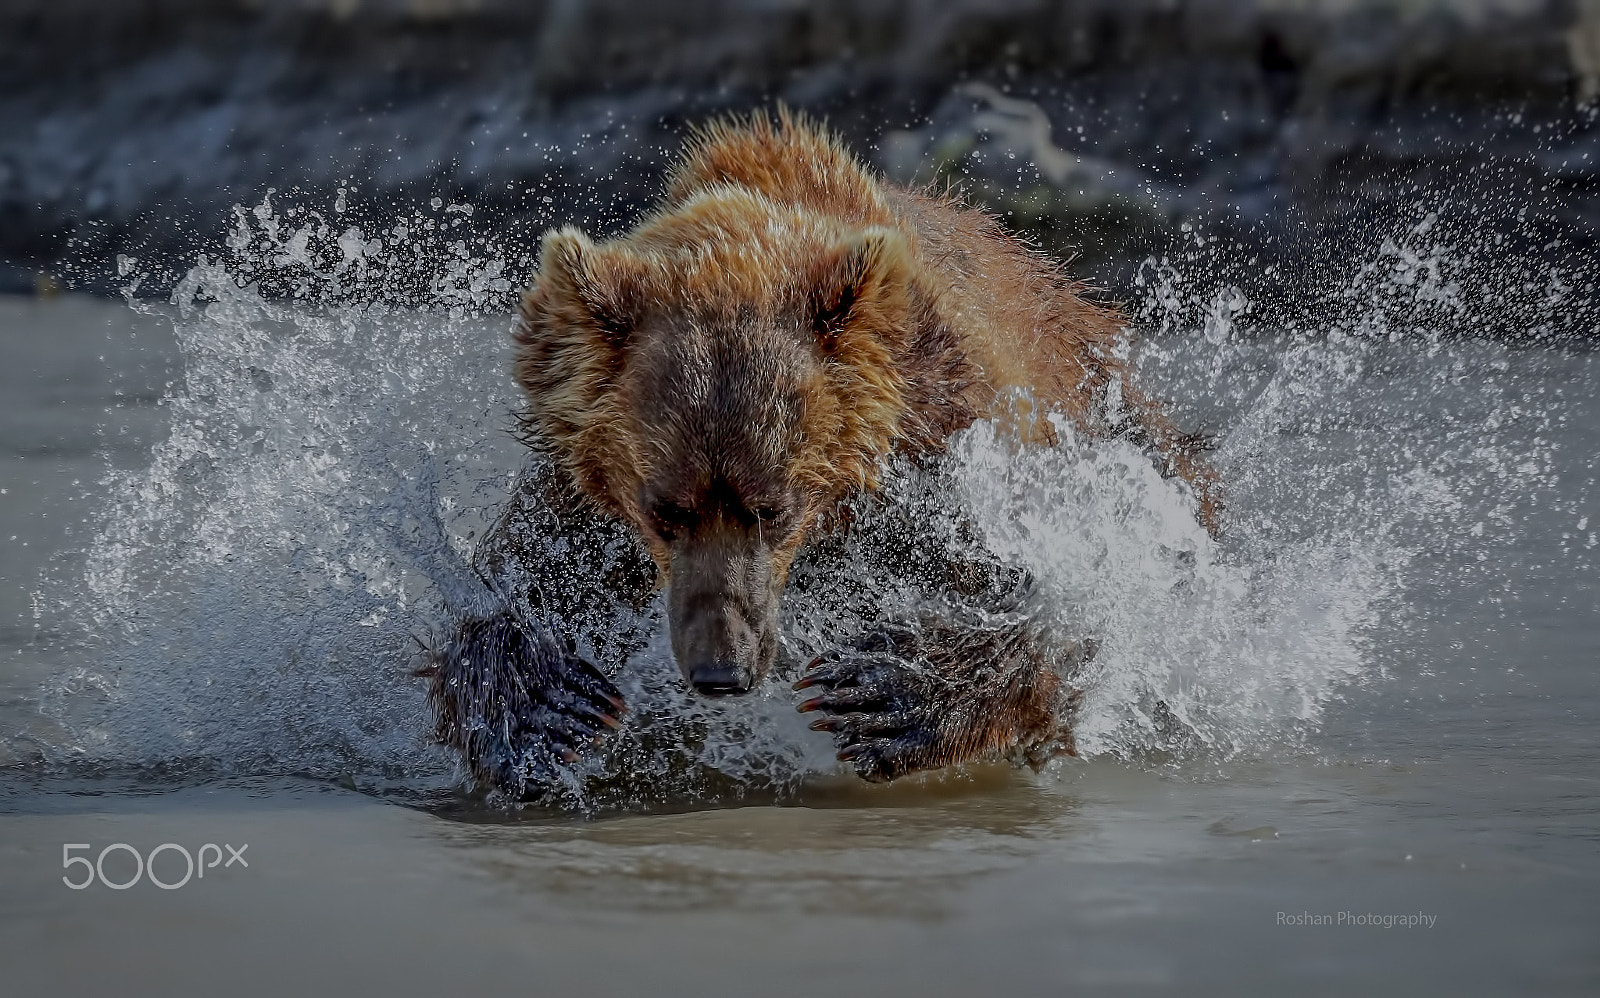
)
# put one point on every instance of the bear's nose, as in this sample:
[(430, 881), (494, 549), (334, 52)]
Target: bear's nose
[(719, 679)]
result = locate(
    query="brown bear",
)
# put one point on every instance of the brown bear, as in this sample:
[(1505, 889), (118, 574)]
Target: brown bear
[(713, 386)]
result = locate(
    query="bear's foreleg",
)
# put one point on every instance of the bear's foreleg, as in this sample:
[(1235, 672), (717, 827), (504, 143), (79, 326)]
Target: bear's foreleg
[(909, 698), (507, 691)]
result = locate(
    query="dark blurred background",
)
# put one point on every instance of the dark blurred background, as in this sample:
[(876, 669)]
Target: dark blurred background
[(1295, 131)]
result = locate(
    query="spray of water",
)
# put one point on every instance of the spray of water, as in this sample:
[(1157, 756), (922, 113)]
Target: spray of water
[(339, 443)]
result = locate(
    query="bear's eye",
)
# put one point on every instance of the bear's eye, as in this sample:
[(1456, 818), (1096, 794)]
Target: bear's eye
[(669, 518), (773, 518)]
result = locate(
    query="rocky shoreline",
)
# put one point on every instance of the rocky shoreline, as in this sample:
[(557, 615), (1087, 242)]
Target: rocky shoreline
[(1112, 130)]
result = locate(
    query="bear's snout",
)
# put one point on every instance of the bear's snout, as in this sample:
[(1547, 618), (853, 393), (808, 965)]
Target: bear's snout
[(722, 614), (718, 649)]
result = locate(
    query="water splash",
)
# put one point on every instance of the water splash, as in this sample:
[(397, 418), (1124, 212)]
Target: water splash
[(249, 597), (339, 442)]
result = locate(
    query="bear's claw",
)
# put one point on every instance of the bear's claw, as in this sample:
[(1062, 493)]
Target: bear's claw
[(516, 704)]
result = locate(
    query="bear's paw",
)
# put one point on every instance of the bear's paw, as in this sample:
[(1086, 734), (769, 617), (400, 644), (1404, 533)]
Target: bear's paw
[(517, 705), (887, 711)]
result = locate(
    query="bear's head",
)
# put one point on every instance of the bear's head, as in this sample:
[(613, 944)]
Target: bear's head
[(720, 378)]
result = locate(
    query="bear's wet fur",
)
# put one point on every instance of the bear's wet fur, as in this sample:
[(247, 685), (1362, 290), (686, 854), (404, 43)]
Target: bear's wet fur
[(720, 379)]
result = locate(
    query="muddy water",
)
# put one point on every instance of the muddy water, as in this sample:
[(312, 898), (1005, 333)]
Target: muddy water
[(1380, 691)]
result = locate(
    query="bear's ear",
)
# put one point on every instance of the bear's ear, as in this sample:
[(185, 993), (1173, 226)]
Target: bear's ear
[(861, 287), (587, 286)]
